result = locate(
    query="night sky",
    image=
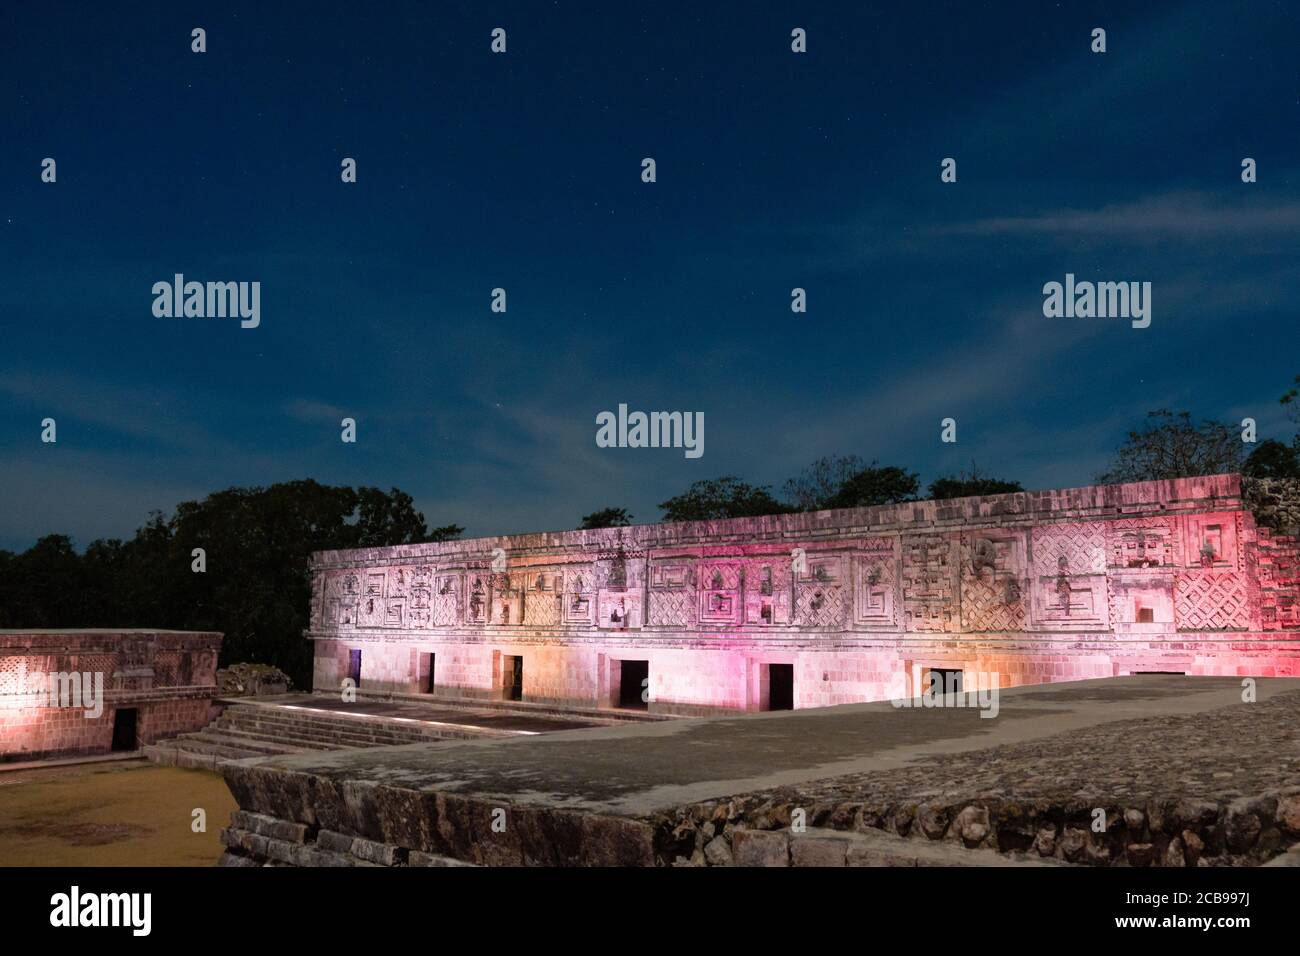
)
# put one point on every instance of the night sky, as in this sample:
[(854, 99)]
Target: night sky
[(523, 171)]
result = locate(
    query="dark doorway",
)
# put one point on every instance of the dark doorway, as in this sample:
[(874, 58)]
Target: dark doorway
[(124, 728), (634, 684), (780, 687), (432, 660), (354, 667), (514, 678), (945, 680)]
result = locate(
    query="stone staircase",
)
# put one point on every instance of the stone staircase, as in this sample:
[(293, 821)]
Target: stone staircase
[(258, 730)]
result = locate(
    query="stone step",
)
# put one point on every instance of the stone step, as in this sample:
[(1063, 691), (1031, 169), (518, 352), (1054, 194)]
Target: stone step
[(199, 746), (218, 741), (270, 744), (330, 729), (270, 719), (315, 741)]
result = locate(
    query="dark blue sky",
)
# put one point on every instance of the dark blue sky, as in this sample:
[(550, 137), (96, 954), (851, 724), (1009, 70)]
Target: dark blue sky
[(523, 171)]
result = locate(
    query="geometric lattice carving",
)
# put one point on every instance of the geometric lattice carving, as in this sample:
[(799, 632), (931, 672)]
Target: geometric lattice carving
[(819, 598), (985, 607), (446, 600), (992, 581), (672, 608), (672, 595), (819, 605), (1211, 601), (542, 593), (1082, 545)]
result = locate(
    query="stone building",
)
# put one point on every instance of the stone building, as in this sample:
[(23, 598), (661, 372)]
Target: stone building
[(821, 608), (68, 692)]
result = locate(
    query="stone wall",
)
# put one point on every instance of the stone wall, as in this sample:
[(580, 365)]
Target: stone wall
[(167, 677), (1035, 586), (1275, 502)]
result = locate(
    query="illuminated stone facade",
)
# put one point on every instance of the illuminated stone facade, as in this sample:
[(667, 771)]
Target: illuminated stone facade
[(155, 684), (833, 606)]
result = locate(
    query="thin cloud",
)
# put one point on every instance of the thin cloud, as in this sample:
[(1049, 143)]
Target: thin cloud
[(1186, 217)]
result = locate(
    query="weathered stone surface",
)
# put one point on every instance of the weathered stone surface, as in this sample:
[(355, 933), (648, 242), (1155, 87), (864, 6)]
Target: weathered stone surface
[(331, 841), (1045, 841), (1174, 856), (622, 796), (417, 858), (1242, 825), (1290, 858), (971, 825), (933, 820), (718, 852), (234, 859), (760, 848), (1288, 814), (1073, 842), (384, 854), (1140, 854), (819, 851)]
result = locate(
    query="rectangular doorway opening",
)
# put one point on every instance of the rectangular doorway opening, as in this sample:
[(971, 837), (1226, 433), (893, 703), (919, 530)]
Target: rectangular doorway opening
[(124, 729), (514, 678), (430, 661), (354, 667), (945, 680), (634, 684), (780, 687)]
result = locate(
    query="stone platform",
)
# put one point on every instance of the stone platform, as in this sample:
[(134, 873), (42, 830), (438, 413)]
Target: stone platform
[(303, 723), (1184, 771)]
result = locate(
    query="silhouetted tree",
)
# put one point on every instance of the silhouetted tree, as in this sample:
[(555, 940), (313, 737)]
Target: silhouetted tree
[(876, 485), (725, 497), (1272, 459), (813, 487), (1171, 446), (967, 484), (606, 518), (256, 587), (1291, 399)]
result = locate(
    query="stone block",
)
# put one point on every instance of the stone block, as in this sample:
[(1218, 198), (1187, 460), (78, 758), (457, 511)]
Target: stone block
[(818, 851), (760, 848)]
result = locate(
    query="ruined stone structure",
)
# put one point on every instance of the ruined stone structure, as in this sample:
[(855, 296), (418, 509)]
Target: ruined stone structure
[(823, 608), (155, 684)]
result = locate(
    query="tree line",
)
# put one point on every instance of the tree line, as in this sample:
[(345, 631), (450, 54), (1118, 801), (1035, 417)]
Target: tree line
[(255, 542)]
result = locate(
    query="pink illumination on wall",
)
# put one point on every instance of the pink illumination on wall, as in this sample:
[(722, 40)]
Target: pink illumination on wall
[(1038, 587)]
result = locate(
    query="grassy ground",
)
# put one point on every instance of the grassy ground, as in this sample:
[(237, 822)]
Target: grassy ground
[(119, 814)]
